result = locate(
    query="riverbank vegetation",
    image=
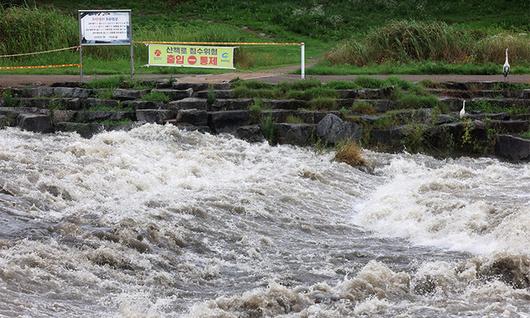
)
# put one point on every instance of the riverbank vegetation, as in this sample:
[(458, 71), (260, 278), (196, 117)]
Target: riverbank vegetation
[(347, 37)]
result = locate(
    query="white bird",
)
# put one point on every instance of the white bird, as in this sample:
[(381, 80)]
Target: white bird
[(463, 110), (506, 67)]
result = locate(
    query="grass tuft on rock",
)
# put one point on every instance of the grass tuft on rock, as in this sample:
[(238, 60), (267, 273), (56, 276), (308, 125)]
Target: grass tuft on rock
[(350, 153)]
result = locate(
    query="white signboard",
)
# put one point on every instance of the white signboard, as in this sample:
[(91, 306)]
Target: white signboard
[(105, 27)]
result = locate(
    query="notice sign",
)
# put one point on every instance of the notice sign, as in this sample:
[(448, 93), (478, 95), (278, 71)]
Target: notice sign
[(105, 27), (191, 56)]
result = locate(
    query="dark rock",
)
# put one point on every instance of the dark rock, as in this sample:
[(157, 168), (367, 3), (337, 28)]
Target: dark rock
[(231, 104), (307, 116), (189, 127), (389, 138), (380, 105), (67, 84), (498, 116), (347, 93), (35, 123), (85, 130), (164, 83), (332, 129), (158, 116), (250, 133), (226, 121), (277, 115), (222, 94), (525, 94), (61, 115), (90, 116), (295, 134), (174, 94), (4, 122), (444, 119), (285, 103), (513, 148), (375, 93), (193, 86), (509, 126), (318, 116), (128, 94), (345, 102), (72, 92), (90, 102), (452, 104), (42, 91), (189, 103), (142, 104), (194, 117)]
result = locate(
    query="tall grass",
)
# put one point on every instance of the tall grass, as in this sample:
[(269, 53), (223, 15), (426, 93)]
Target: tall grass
[(25, 29), (416, 41)]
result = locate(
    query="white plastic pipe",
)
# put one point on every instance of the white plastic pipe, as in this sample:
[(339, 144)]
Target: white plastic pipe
[(302, 67)]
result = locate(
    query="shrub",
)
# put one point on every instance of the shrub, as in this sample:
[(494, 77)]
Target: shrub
[(267, 128), (492, 49), (349, 52), (342, 85), (350, 153), (7, 97), (256, 108), (363, 108), (156, 97)]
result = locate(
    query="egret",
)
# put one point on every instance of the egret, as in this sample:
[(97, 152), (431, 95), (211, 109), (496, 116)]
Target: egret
[(463, 110), (506, 67)]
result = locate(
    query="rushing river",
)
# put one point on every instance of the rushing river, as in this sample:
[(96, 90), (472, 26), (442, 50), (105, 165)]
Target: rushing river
[(158, 222)]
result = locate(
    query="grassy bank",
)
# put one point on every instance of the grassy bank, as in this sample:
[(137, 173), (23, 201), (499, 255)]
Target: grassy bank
[(463, 37)]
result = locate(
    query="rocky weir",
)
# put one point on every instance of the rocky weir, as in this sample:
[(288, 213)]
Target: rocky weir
[(496, 123)]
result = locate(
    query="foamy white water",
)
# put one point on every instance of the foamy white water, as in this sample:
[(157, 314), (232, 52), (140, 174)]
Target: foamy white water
[(157, 222)]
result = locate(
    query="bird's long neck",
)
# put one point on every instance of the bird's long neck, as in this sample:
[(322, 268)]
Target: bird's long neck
[(506, 57)]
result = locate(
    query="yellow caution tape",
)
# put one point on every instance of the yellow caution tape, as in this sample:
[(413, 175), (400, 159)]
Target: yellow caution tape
[(224, 43), (41, 52), (38, 66)]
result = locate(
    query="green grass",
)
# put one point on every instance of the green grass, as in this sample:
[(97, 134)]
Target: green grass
[(424, 67), (485, 106), (322, 25), (526, 135), (156, 97)]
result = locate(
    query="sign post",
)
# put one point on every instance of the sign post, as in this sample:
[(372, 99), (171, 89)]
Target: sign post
[(105, 27)]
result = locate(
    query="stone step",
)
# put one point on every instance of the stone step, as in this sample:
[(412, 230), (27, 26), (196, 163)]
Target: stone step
[(174, 94), (35, 122), (229, 120), (158, 116), (222, 94), (473, 94), (512, 148)]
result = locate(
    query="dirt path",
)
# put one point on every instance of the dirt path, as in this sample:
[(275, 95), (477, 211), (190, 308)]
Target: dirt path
[(273, 76)]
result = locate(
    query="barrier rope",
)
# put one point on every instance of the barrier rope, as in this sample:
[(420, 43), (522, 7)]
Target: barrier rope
[(38, 66), (224, 43), (41, 52)]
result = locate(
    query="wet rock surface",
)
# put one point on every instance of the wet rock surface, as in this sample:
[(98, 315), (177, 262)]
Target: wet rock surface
[(494, 111)]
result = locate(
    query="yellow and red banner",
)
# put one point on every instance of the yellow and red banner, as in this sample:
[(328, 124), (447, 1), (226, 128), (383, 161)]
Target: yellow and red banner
[(191, 56)]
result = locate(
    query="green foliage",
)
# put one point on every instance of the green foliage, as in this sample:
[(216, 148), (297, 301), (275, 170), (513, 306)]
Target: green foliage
[(526, 135), (323, 103), (468, 127), (410, 100), (55, 104), (7, 97), (104, 93), (342, 85), (292, 119), (255, 109), (24, 29), (486, 106), (156, 97), (363, 108), (267, 128), (210, 99), (414, 139), (107, 82)]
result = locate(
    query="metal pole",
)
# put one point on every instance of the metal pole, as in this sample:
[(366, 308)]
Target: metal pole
[(132, 48), (302, 68), (81, 62), (80, 46)]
